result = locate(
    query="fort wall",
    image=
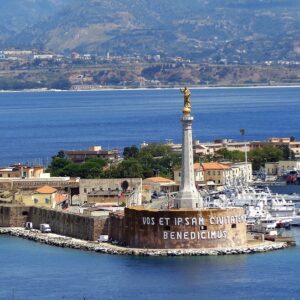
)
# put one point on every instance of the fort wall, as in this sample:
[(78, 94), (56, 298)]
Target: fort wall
[(72, 225), (180, 228)]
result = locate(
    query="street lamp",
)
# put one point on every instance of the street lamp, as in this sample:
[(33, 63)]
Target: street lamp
[(170, 168)]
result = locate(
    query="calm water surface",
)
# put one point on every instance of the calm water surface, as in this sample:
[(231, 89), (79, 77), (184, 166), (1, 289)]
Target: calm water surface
[(35, 126), (33, 271)]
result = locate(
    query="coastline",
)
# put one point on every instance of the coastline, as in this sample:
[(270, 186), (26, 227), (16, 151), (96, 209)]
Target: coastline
[(108, 248), (152, 89)]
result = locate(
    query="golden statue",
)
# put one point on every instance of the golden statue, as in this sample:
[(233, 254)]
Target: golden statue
[(187, 100)]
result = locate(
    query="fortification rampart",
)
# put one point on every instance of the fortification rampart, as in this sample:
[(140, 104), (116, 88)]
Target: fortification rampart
[(72, 225)]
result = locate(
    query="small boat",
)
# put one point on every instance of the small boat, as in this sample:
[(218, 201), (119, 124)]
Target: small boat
[(266, 226), (284, 223)]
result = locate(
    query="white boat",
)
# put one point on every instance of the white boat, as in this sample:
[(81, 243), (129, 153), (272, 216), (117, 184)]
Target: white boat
[(258, 204), (266, 226), (264, 201)]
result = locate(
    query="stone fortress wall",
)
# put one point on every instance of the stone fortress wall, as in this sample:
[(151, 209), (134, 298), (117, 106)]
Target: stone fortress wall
[(67, 224), (180, 228)]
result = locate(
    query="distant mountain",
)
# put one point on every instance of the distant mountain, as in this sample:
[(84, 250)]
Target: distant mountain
[(16, 15), (233, 30)]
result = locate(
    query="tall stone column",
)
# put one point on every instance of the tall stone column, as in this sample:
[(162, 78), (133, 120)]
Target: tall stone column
[(188, 196)]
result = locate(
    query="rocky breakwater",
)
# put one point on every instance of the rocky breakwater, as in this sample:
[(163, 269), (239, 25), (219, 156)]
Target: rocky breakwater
[(108, 248)]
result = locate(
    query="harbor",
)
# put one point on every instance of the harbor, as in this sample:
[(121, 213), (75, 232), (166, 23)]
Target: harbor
[(228, 231)]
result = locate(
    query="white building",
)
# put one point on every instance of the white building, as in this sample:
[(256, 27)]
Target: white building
[(288, 165)]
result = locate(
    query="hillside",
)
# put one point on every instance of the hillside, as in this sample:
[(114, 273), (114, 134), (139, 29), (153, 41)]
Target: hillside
[(16, 15), (240, 31)]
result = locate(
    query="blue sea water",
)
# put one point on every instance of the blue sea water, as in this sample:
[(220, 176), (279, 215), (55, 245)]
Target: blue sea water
[(35, 126), (34, 271)]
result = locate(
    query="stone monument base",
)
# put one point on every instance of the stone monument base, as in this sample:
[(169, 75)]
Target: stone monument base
[(179, 228)]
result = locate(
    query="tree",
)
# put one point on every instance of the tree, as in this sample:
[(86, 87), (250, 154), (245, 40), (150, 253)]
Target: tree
[(91, 168), (234, 156), (72, 170), (136, 164), (259, 157), (61, 84), (158, 157), (60, 154), (129, 168), (156, 150), (57, 165), (97, 161), (130, 152), (287, 152)]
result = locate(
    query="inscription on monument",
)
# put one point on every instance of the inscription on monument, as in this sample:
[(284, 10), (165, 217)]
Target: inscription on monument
[(203, 234)]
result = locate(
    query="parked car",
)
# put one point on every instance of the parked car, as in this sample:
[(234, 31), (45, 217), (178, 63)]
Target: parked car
[(158, 195), (45, 228)]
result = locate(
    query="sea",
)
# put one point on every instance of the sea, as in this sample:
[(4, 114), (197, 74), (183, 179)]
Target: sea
[(35, 126), (34, 271)]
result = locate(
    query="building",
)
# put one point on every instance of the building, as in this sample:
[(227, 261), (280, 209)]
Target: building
[(272, 168), (45, 196), (211, 173), (242, 170), (161, 184), (295, 147), (109, 197), (17, 54), (198, 174), (210, 148), (41, 197), (21, 171), (94, 190), (63, 184), (79, 156), (202, 149), (43, 56), (278, 140), (216, 172), (288, 165)]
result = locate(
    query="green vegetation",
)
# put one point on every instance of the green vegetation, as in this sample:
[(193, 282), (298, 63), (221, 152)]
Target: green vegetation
[(157, 160), (130, 152), (91, 168), (60, 84), (234, 156), (153, 160), (195, 30), (258, 157), (16, 84)]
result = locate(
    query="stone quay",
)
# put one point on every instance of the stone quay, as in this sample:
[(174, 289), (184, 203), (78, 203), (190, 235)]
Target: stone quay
[(107, 248)]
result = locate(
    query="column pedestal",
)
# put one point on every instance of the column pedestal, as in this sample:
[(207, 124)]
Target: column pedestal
[(188, 196)]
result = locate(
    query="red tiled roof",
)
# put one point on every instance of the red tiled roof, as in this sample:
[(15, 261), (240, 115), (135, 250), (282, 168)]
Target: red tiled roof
[(59, 198), (214, 166), (46, 189), (159, 179)]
